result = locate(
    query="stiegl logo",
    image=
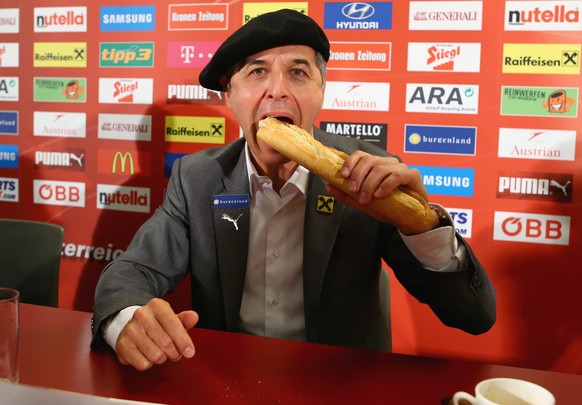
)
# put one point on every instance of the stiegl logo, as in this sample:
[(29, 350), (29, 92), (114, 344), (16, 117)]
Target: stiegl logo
[(532, 228)]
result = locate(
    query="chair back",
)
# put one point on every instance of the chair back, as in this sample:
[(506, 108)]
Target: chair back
[(30, 258)]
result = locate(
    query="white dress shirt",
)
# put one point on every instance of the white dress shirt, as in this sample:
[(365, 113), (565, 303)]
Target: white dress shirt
[(272, 302)]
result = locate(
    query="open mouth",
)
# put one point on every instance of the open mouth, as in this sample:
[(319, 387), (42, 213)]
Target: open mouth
[(288, 120)]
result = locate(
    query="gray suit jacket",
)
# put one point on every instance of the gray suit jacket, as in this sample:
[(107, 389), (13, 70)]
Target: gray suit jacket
[(342, 259)]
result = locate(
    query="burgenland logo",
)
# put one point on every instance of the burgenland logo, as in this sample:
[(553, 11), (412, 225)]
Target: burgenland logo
[(440, 139), (554, 187), (358, 16), (9, 122)]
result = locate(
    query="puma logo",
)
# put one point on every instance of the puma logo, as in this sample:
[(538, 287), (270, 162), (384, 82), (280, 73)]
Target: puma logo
[(558, 185), (78, 159), (234, 221)]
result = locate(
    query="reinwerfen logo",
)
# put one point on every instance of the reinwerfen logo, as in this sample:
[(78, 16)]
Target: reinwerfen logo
[(552, 59), (60, 54), (128, 18), (540, 101), (60, 89), (195, 129)]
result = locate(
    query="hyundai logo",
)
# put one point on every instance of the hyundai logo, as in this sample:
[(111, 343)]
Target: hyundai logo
[(358, 11)]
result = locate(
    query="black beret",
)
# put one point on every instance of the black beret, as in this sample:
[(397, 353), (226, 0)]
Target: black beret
[(269, 30)]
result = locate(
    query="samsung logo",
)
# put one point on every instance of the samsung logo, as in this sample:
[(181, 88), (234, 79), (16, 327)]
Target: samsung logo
[(448, 180), (128, 18)]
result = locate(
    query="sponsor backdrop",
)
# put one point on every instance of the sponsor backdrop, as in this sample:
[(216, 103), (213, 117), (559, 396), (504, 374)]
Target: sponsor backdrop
[(97, 100)]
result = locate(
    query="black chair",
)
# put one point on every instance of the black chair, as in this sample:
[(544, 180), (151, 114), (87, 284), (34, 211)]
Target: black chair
[(30, 258)]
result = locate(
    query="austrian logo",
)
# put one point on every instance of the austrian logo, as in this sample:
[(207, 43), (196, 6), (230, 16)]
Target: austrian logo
[(543, 16), (453, 181), (128, 18), (195, 17), (531, 228), (191, 54), (65, 159), (9, 156), (9, 122), (542, 144), (9, 88), (60, 19), (122, 198), (444, 57), (123, 162), (9, 20), (126, 91), (190, 93), (552, 59), (440, 139), (127, 127), (540, 101), (9, 54), (60, 124), (442, 98), (60, 89), (60, 54), (361, 96), (195, 129), (8, 189), (62, 193), (373, 133), (252, 10), (358, 16), (445, 15), (126, 54), (553, 187), (360, 56)]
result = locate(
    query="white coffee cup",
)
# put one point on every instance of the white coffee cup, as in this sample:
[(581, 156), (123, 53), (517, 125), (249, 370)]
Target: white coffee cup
[(506, 391)]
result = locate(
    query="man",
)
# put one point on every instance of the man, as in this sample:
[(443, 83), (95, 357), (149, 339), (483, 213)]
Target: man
[(243, 221)]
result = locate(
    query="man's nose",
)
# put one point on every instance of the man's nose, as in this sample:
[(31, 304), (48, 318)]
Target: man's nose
[(278, 86)]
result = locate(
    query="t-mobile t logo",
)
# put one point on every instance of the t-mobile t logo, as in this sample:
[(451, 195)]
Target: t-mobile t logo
[(187, 53)]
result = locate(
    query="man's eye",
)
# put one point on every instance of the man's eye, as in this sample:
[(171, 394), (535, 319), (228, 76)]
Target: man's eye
[(257, 71), (298, 72)]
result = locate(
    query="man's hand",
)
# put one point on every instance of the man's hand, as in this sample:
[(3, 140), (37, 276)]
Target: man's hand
[(156, 334), (375, 177)]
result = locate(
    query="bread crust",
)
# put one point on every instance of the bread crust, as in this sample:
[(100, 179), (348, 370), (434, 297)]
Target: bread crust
[(404, 208)]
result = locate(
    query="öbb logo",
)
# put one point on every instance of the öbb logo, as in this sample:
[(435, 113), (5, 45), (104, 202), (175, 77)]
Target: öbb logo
[(59, 193), (532, 228)]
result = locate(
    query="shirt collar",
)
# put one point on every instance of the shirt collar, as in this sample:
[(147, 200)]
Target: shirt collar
[(299, 179)]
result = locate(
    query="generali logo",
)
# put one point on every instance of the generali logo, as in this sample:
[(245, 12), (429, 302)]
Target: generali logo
[(127, 127), (121, 198), (445, 15), (60, 124), (444, 57), (532, 228), (60, 19), (542, 144), (66, 193), (555, 187), (543, 16), (125, 91), (194, 17), (360, 56), (359, 96), (9, 20)]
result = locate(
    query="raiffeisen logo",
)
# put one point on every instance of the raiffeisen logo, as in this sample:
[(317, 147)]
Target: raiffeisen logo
[(543, 16), (195, 129), (444, 57), (121, 198), (532, 228), (358, 16), (60, 19), (542, 58)]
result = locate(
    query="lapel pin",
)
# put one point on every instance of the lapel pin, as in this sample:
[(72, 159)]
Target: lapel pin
[(230, 219), (325, 204)]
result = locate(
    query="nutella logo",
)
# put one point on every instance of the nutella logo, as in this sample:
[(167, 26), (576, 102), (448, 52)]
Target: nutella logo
[(60, 19), (121, 198)]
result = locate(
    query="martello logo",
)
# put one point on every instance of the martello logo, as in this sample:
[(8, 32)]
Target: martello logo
[(195, 129), (442, 98), (60, 19), (541, 144), (9, 54), (8, 189), (121, 198), (445, 15), (60, 89), (554, 187), (540, 101), (9, 89), (60, 54), (374, 133), (126, 91), (60, 124), (9, 21), (532, 228), (252, 9), (360, 56), (543, 16), (126, 54), (361, 96), (542, 58), (444, 57), (188, 17)]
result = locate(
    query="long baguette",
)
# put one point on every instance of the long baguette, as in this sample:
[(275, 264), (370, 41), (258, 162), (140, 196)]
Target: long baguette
[(404, 207)]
